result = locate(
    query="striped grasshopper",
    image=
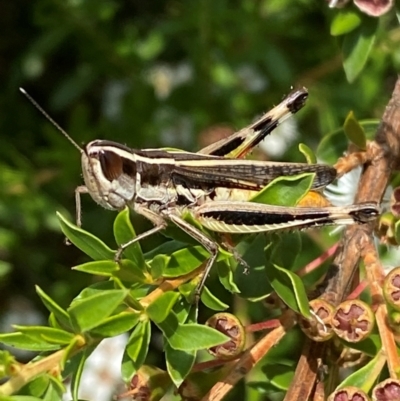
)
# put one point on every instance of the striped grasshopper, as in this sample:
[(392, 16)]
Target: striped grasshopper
[(214, 186)]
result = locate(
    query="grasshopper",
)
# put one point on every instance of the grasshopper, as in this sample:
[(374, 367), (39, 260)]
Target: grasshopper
[(213, 187)]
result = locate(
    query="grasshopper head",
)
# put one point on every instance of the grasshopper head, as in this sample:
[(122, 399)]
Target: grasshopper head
[(109, 172)]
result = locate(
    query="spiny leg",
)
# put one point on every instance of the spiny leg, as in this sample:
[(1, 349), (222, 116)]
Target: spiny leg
[(210, 245)]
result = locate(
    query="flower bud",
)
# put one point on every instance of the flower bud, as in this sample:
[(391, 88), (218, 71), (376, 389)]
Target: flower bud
[(319, 327), (348, 393), (353, 320), (231, 326)]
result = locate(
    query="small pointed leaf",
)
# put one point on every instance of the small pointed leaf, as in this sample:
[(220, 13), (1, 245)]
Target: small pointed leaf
[(23, 341), (354, 131), (357, 46), (191, 336), (159, 309), (179, 363), (211, 301), (77, 374), (123, 233), (86, 242), (366, 376), (289, 288), (116, 324), (285, 191), (59, 313), (308, 153), (90, 311), (98, 267), (188, 259), (136, 350), (49, 334), (345, 21)]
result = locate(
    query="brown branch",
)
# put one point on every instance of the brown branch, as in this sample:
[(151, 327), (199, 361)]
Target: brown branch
[(383, 154), (306, 374)]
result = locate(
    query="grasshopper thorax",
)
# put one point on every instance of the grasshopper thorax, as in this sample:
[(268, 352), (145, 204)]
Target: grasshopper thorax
[(109, 172)]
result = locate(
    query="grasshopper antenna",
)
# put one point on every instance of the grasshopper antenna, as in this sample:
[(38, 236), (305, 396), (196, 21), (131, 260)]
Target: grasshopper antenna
[(36, 104)]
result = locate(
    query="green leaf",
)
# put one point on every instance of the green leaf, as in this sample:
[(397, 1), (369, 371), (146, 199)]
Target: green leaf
[(354, 131), (157, 265), (184, 310), (281, 245), (159, 309), (367, 376), (20, 398), (123, 233), (130, 272), (59, 313), (90, 312), (281, 375), (86, 242), (193, 337), (77, 374), (370, 346), (48, 334), (211, 301), (335, 144), (185, 261), (37, 386), (136, 350), (285, 191), (187, 290), (356, 47), (179, 363), (287, 350), (23, 341), (225, 275), (332, 146), (165, 249), (188, 259), (189, 337), (99, 267), (253, 285), (117, 324), (71, 360), (289, 288), (308, 153), (345, 21), (54, 391)]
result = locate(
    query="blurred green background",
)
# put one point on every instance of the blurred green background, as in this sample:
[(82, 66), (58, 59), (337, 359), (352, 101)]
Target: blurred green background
[(151, 74)]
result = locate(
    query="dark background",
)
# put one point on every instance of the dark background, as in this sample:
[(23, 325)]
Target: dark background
[(150, 74)]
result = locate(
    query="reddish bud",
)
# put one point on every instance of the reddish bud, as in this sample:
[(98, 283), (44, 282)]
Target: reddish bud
[(149, 384), (319, 327), (374, 8), (391, 288), (348, 394), (231, 326), (388, 390), (353, 320)]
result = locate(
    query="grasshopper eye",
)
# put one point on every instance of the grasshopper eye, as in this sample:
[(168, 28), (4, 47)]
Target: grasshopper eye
[(111, 164), (114, 165)]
